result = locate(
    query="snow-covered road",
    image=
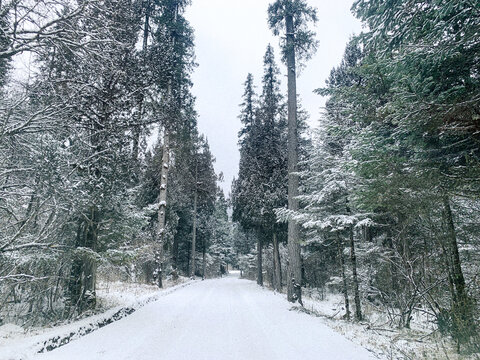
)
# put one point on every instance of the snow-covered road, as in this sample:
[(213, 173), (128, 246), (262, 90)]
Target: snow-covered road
[(219, 319)]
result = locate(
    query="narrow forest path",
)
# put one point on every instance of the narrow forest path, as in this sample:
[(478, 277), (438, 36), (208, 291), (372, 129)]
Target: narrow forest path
[(218, 319)]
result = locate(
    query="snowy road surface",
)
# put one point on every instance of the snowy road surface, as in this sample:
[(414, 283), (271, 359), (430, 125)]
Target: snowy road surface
[(219, 319)]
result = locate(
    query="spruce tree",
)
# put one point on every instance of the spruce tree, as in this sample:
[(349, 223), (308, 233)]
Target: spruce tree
[(204, 196), (261, 186), (172, 42), (272, 158), (293, 17), (245, 190)]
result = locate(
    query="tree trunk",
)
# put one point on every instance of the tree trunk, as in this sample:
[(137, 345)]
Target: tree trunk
[(458, 278), (137, 128), (74, 286), (159, 253), (393, 268), (81, 285), (194, 232), (277, 270), (159, 256), (462, 311), (204, 264), (90, 266), (344, 277), (353, 258), (294, 268), (137, 134), (259, 262), (175, 254), (187, 269)]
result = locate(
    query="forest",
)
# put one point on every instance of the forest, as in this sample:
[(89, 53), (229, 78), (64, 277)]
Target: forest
[(105, 176)]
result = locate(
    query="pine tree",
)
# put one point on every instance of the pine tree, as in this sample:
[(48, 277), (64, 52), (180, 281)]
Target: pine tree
[(173, 40), (293, 16), (220, 248), (272, 158), (407, 99), (245, 190), (204, 194), (432, 133)]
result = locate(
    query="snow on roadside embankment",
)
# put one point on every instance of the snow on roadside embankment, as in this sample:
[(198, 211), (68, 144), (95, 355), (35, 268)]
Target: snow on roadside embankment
[(421, 342), (115, 301)]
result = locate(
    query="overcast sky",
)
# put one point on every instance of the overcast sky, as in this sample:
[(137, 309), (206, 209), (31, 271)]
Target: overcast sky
[(231, 39)]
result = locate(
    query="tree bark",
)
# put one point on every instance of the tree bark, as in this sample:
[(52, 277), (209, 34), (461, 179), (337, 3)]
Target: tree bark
[(277, 270), (462, 311), (294, 268), (159, 255), (458, 278), (353, 258), (204, 264), (175, 253), (344, 277), (90, 266), (81, 285), (74, 286), (259, 262), (194, 232)]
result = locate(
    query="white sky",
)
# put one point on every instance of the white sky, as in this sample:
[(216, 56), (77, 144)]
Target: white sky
[(231, 37)]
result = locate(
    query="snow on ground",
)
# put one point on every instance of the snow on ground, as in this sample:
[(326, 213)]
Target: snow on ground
[(422, 342), (10, 331), (115, 300), (225, 319), (220, 319), (112, 294)]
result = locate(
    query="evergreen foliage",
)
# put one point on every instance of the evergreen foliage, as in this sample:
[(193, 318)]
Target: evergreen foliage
[(78, 187), (262, 183), (294, 17), (381, 207), (396, 161)]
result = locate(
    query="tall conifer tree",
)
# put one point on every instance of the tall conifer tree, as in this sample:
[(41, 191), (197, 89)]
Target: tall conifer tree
[(293, 17)]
